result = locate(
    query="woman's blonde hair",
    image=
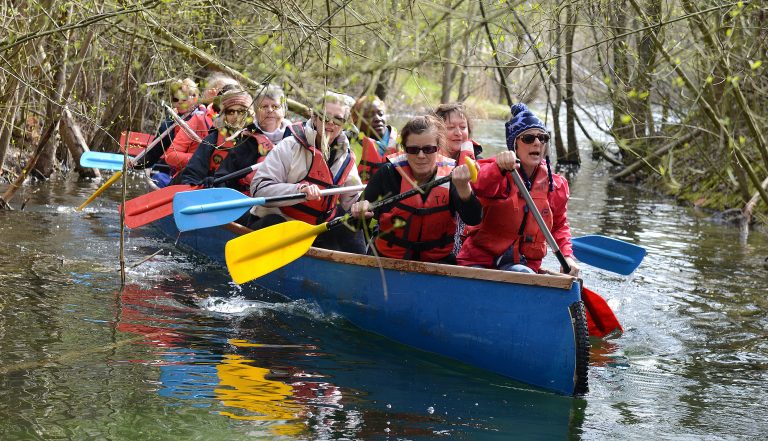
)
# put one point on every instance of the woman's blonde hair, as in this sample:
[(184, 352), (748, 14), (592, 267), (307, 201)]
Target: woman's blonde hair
[(180, 90)]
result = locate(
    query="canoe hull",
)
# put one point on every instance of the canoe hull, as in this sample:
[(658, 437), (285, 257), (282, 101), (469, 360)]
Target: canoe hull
[(525, 331)]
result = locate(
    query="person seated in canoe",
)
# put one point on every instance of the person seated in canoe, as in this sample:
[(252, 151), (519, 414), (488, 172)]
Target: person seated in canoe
[(183, 146), (508, 237), (236, 112), (262, 135), (316, 156), (421, 227), (184, 100), (458, 132), (376, 139), (459, 144)]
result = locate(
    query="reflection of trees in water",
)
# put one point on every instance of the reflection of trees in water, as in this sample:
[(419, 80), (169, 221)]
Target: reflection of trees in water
[(285, 401), (621, 214)]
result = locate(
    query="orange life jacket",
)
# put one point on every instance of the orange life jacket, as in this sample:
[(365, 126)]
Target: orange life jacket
[(427, 229), (507, 223), (370, 158), (324, 209)]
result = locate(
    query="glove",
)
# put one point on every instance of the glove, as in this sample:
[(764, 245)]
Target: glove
[(207, 182)]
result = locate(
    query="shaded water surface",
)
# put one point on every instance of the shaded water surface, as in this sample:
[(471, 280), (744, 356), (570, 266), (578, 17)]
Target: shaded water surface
[(181, 353)]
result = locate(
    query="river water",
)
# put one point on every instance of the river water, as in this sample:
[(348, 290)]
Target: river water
[(182, 353)]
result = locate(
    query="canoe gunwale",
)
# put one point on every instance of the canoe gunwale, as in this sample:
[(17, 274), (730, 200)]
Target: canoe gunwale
[(550, 280)]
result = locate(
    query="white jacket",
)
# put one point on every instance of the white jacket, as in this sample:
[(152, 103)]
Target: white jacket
[(288, 163)]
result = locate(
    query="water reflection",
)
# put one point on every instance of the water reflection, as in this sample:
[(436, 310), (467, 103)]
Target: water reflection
[(191, 370), (324, 379)]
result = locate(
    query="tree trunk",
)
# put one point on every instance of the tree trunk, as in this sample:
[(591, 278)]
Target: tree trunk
[(50, 126), (447, 83), (499, 69), (620, 128), (572, 157), (73, 140), (9, 120), (45, 165)]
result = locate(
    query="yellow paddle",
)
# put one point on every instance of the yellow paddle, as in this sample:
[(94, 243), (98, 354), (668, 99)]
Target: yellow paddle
[(101, 189), (263, 251)]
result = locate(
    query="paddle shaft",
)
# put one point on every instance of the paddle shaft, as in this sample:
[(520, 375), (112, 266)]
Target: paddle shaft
[(182, 124), (152, 144), (235, 174), (101, 189), (249, 202), (155, 203), (393, 199), (178, 121), (540, 221)]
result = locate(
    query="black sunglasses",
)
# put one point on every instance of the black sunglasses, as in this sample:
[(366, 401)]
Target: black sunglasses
[(235, 111), (414, 149), (530, 138)]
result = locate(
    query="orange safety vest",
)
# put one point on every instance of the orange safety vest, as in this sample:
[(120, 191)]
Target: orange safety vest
[(324, 209), (506, 222), (370, 158), (427, 227)]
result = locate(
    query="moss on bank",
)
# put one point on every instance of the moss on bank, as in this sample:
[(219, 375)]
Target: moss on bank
[(701, 176)]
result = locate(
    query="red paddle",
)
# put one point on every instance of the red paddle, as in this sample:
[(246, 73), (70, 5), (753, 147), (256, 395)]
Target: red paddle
[(601, 321), (152, 206), (158, 204)]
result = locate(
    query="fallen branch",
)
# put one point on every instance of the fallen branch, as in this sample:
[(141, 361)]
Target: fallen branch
[(646, 160)]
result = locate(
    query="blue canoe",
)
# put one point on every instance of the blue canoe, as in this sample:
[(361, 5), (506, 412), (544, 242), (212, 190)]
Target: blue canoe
[(527, 327)]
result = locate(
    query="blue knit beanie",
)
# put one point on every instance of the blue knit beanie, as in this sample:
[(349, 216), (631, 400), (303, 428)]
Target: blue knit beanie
[(522, 119)]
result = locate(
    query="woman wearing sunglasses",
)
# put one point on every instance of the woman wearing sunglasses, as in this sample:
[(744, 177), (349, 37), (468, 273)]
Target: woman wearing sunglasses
[(263, 134), (228, 132), (184, 99), (183, 146), (508, 237), (420, 227), (315, 156)]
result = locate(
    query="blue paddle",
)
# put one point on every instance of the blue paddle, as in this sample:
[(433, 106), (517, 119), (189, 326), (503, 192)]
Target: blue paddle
[(608, 253), (210, 207), (108, 161)]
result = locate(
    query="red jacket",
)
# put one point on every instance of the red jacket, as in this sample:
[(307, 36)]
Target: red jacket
[(183, 146), (495, 189)]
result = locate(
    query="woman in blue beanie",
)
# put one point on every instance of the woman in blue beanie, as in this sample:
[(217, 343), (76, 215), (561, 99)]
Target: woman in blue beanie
[(508, 237)]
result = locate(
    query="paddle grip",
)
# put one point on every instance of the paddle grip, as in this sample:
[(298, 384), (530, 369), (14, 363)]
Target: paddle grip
[(540, 221)]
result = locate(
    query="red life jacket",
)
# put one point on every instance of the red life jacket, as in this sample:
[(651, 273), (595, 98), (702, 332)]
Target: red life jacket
[(219, 153), (506, 222), (324, 209), (265, 146), (370, 159), (427, 233)]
